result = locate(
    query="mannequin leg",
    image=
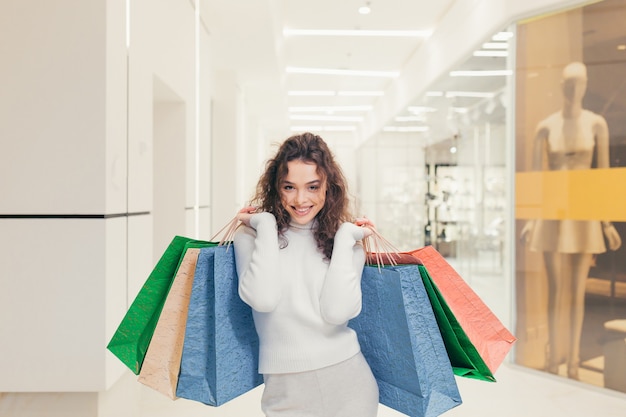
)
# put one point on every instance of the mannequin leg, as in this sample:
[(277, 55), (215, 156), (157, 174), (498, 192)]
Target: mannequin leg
[(557, 339), (580, 264)]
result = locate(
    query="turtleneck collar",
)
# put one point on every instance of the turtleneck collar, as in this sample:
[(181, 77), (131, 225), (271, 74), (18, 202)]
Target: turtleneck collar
[(309, 226)]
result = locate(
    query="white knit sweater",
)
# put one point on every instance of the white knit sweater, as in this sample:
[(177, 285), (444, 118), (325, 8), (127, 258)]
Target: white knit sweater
[(301, 303)]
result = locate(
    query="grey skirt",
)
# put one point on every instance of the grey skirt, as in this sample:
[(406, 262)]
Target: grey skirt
[(347, 389)]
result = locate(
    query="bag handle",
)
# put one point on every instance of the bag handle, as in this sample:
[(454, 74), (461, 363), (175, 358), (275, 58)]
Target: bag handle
[(227, 237), (381, 252)]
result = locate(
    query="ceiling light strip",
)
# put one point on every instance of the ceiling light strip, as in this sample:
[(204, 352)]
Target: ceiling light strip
[(495, 45), (469, 94), (361, 93), (330, 93), (409, 118), (404, 129), (502, 36), (358, 32), (492, 53), (334, 71), (303, 109), (322, 128), (319, 93), (326, 118)]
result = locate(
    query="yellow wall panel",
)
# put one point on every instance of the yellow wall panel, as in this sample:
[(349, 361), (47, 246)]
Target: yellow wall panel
[(586, 194)]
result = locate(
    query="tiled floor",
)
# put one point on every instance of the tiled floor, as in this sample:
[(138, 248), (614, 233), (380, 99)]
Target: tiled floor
[(518, 393)]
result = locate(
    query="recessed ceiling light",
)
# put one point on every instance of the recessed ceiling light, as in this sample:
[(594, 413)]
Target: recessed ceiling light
[(621, 47), (366, 9), (358, 32), (334, 71)]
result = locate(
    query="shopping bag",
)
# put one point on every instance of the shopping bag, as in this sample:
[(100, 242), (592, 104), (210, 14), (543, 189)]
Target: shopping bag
[(483, 337), (132, 337), (161, 364), (220, 350), (465, 359), (400, 339)]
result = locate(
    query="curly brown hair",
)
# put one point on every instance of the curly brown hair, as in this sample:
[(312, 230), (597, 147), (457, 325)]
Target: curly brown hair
[(308, 148)]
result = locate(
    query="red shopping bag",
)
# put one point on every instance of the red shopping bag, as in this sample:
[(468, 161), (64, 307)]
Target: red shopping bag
[(492, 340)]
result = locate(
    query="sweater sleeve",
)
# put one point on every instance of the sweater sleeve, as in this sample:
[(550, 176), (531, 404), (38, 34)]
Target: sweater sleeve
[(256, 259), (340, 299)]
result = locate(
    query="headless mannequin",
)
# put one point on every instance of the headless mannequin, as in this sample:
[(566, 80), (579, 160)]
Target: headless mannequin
[(567, 139)]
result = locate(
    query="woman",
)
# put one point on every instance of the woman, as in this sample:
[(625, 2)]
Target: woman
[(299, 261)]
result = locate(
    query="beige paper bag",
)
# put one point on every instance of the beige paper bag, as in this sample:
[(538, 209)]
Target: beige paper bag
[(162, 362)]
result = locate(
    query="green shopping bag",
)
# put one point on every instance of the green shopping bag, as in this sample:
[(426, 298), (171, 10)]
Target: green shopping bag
[(132, 337), (464, 357)]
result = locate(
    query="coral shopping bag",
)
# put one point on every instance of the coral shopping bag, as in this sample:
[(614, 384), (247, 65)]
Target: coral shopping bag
[(221, 347), (492, 341), (400, 339)]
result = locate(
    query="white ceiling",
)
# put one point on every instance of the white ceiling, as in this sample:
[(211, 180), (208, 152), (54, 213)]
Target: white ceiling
[(247, 37)]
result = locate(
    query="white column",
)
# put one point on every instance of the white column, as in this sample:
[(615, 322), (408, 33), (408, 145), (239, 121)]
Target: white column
[(63, 186), (227, 117)]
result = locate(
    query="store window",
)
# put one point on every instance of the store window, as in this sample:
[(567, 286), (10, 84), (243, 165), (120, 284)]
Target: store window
[(438, 173), (570, 118)]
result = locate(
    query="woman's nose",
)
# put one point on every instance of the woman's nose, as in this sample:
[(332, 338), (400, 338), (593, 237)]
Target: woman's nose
[(300, 196)]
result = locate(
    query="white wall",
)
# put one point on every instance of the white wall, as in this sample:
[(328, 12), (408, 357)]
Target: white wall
[(80, 117)]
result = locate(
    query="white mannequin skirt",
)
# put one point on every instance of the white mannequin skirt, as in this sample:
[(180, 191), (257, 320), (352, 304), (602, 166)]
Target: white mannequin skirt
[(567, 236)]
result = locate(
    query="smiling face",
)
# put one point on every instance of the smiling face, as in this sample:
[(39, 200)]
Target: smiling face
[(302, 191)]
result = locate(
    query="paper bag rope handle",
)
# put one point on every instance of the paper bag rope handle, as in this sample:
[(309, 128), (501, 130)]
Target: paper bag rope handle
[(379, 251), (227, 236)]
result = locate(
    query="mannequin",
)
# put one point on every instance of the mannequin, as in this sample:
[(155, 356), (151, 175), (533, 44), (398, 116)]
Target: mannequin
[(567, 139)]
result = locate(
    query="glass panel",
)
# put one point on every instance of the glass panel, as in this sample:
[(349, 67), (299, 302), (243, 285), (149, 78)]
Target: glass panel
[(570, 208), (438, 175)]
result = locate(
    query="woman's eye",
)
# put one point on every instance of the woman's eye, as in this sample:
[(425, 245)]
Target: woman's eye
[(288, 187), (314, 187)]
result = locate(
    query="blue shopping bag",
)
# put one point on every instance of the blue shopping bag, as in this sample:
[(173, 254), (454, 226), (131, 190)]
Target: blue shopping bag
[(221, 347), (402, 343)]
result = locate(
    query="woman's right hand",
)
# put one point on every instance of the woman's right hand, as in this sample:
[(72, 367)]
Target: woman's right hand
[(245, 214), (366, 224)]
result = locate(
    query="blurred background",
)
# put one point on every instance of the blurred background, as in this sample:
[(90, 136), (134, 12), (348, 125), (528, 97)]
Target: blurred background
[(126, 122)]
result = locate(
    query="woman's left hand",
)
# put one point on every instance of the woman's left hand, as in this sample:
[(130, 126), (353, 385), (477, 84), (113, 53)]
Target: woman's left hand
[(366, 224)]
